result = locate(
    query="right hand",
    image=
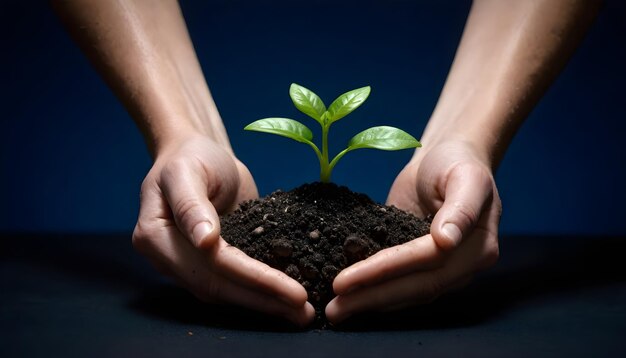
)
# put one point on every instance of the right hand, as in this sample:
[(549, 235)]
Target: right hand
[(454, 182), (178, 230)]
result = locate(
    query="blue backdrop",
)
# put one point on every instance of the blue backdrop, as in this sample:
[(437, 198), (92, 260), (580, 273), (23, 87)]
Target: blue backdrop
[(72, 160)]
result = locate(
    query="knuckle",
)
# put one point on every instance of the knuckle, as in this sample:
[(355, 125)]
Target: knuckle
[(467, 213), (144, 236), (148, 187), (187, 213), (140, 238), (491, 255), (145, 185), (184, 208), (498, 204)]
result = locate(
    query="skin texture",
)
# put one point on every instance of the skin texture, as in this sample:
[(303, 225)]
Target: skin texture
[(509, 54)]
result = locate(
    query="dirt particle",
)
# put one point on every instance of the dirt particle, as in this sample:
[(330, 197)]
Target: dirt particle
[(309, 271), (379, 233), (355, 248), (314, 235), (315, 296), (293, 272), (281, 247), (329, 272), (258, 231), (317, 259)]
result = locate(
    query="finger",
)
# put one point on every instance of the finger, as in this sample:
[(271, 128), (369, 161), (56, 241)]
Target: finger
[(399, 293), (468, 189), (479, 251), (237, 266), (416, 255), (232, 293), (416, 288), (191, 264), (187, 196)]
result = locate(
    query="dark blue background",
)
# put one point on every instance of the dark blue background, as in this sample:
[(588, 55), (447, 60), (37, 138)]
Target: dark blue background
[(72, 160)]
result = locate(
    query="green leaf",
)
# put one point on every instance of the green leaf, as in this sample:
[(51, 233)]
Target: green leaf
[(383, 137), (284, 127), (307, 102), (347, 103)]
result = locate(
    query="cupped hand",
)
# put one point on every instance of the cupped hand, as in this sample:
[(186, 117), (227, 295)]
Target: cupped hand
[(178, 229), (453, 182)]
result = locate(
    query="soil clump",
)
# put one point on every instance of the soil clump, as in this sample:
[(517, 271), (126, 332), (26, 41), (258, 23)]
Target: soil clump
[(316, 230)]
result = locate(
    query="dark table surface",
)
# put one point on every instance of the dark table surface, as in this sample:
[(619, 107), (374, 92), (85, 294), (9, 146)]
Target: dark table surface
[(91, 295)]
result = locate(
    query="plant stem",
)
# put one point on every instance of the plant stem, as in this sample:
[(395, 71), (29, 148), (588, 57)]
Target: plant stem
[(325, 169)]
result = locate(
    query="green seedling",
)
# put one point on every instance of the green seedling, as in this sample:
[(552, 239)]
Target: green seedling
[(382, 137)]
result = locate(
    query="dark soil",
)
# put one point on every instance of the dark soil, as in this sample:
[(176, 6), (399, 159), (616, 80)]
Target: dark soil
[(314, 231)]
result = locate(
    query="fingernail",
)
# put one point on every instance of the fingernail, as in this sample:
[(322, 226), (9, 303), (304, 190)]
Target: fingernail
[(201, 231), (452, 232)]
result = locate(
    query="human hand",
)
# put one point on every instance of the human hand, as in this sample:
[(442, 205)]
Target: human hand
[(178, 230), (454, 182)]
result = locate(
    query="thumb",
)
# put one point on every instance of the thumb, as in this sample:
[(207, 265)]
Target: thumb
[(193, 212), (467, 190)]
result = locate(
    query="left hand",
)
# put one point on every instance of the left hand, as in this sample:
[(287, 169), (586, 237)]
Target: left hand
[(452, 181)]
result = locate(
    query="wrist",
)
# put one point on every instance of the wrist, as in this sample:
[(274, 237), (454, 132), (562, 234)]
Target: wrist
[(469, 138), (167, 129), (479, 122), (174, 142)]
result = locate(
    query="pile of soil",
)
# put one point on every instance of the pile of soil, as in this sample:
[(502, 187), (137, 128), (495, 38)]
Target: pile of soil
[(316, 230)]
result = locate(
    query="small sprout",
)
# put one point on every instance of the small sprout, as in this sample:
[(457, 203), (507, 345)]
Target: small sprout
[(307, 102), (258, 231)]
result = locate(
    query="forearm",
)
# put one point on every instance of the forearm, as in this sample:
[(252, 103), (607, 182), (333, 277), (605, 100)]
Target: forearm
[(509, 54), (143, 50)]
